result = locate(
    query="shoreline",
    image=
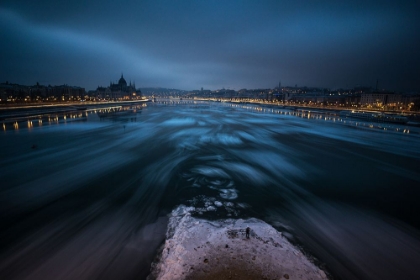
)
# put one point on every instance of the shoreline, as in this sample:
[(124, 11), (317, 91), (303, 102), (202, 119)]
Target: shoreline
[(13, 113), (66, 104), (270, 104), (413, 116), (304, 107)]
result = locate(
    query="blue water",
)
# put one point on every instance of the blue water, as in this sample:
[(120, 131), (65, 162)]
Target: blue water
[(85, 195)]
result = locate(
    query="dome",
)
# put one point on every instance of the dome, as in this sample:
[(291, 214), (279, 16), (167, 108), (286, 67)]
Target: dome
[(122, 81)]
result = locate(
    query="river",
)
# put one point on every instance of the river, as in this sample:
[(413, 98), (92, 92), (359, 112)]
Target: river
[(86, 195)]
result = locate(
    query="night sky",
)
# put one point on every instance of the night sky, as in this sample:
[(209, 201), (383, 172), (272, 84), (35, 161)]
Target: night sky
[(211, 44)]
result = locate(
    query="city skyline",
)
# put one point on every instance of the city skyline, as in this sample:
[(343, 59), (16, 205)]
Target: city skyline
[(212, 45), (367, 88)]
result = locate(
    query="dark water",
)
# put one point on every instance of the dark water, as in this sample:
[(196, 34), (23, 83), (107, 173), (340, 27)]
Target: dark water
[(87, 197)]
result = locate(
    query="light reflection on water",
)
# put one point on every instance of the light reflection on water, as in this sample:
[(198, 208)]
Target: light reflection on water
[(28, 120), (90, 199)]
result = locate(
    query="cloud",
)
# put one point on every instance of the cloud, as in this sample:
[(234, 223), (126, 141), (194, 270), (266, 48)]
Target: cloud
[(51, 48), (210, 43)]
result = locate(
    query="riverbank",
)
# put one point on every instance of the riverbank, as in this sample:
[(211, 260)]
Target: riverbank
[(201, 249), (28, 110), (66, 104), (309, 107), (412, 116)]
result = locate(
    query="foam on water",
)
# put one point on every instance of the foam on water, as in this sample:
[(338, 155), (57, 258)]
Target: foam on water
[(210, 171), (179, 122), (245, 172), (228, 194), (221, 139)]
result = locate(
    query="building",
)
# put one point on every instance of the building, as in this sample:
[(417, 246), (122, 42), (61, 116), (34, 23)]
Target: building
[(37, 93), (118, 91), (381, 100)]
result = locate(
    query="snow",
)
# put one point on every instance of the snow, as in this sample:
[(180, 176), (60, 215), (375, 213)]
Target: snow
[(201, 249)]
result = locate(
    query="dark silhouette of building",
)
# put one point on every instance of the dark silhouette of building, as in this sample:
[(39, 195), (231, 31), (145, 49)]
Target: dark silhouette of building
[(119, 91)]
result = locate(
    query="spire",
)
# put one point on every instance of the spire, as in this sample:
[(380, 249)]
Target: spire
[(122, 81)]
